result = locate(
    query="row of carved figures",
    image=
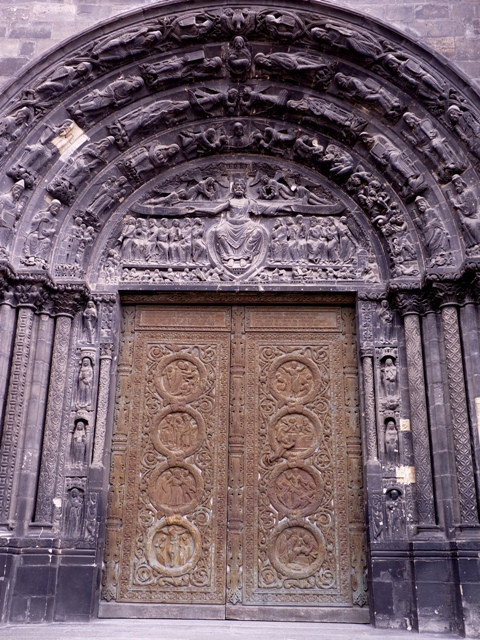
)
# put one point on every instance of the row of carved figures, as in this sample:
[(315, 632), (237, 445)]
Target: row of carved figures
[(334, 37), (182, 241), (368, 191)]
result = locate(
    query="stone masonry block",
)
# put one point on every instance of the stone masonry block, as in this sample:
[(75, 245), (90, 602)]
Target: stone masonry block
[(432, 11), (445, 46)]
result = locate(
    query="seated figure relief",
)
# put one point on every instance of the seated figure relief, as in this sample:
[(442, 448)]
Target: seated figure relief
[(465, 203), (238, 227)]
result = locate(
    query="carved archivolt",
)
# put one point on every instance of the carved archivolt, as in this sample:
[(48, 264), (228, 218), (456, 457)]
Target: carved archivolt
[(121, 155)]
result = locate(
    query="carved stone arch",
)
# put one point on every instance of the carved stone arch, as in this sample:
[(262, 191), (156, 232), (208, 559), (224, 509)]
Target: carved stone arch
[(358, 153), (408, 122)]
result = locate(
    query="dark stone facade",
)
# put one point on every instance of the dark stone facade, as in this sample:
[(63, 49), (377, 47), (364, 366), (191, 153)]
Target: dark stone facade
[(194, 148)]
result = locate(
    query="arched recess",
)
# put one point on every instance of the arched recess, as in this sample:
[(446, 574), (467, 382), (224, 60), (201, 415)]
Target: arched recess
[(355, 153)]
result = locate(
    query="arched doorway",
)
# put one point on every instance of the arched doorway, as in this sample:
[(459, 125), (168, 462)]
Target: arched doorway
[(197, 149)]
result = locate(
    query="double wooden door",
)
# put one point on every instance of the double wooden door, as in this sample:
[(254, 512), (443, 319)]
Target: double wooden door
[(236, 485)]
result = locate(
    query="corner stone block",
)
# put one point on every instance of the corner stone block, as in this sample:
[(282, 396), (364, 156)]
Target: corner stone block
[(75, 593)]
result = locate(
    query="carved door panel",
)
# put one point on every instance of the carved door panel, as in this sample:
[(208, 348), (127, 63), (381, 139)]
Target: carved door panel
[(173, 420), (257, 405), (295, 497)]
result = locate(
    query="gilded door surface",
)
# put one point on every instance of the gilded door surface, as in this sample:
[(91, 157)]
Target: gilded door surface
[(236, 477)]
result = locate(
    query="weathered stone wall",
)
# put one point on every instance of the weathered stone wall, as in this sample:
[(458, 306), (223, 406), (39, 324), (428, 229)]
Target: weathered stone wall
[(30, 27)]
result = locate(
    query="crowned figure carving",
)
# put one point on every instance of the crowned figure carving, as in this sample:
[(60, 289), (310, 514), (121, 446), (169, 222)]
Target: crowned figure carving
[(240, 225)]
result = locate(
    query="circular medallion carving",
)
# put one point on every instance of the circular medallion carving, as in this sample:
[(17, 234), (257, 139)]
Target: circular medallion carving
[(295, 490), (173, 546), (175, 488), (177, 432), (297, 551), (294, 434), (180, 378), (294, 379)]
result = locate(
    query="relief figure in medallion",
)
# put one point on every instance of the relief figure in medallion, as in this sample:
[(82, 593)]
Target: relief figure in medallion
[(174, 546), (294, 488), (297, 548), (176, 487)]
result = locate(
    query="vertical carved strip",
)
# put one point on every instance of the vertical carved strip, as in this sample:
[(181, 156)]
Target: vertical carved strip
[(419, 419), (102, 404), (15, 409), (458, 405), (35, 417), (51, 438), (366, 310), (236, 450), (7, 326), (369, 399), (116, 491)]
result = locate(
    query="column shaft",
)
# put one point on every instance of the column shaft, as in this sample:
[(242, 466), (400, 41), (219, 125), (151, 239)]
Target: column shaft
[(14, 413), (102, 404), (419, 419), (51, 437), (459, 413)]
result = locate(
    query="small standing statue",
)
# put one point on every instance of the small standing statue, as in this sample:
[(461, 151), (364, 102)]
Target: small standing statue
[(395, 517), (85, 383), (386, 318), (74, 513), (89, 317), (391, 441), (389, 377), (78, 446)]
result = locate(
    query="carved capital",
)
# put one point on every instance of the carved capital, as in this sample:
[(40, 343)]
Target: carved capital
[(30, 294), (69, 299), (106, 351), (366, 352), (410, 302), (448, 292), (371, 295)]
